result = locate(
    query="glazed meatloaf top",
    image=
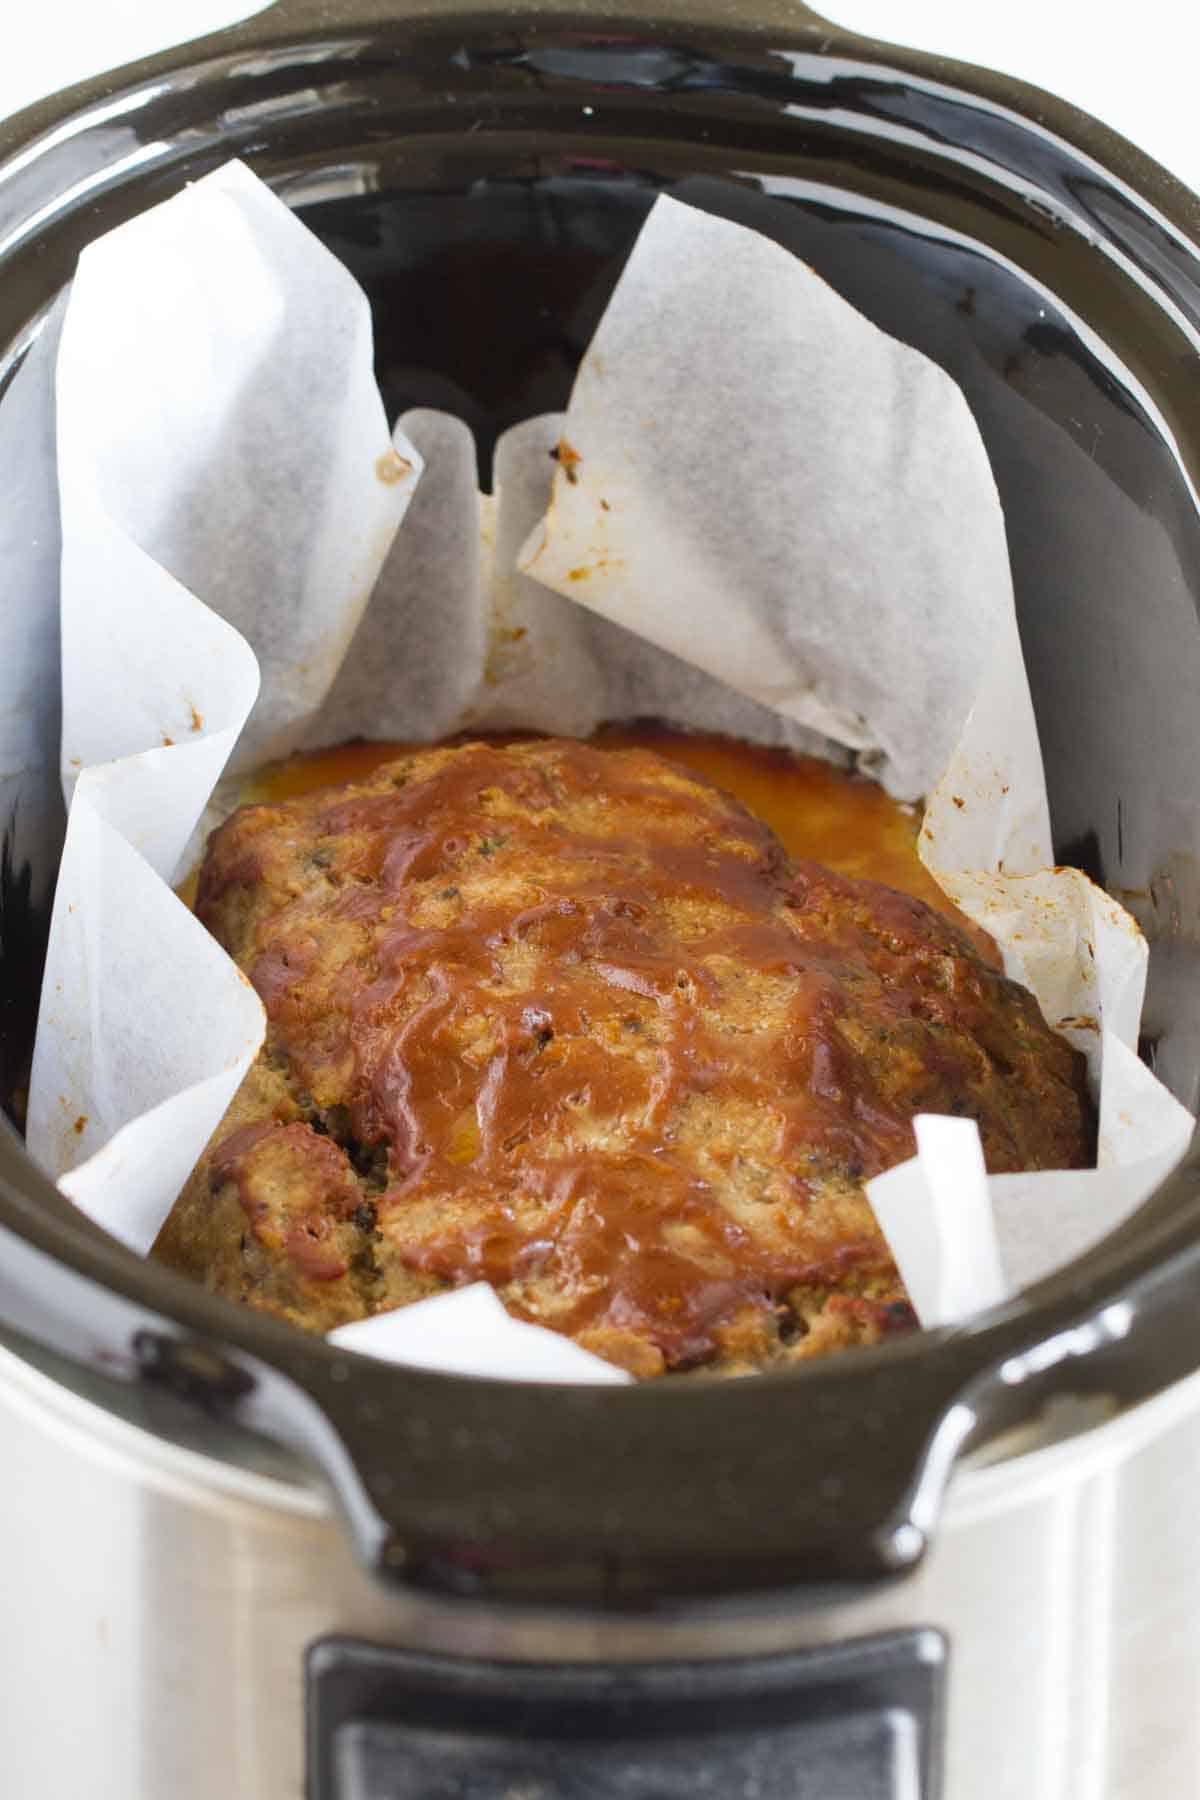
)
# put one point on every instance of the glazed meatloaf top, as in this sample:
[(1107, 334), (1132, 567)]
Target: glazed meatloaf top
[(567, 1019)]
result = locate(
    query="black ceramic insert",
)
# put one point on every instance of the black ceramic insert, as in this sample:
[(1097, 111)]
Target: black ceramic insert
[(492, 168)]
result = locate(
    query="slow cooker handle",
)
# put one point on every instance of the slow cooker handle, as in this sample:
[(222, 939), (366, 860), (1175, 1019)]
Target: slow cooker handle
[(831, 1475), (825, 1477), (615, 1496), (612, 1495), (582, 1495)]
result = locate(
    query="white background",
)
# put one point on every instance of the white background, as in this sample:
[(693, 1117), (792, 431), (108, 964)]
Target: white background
[(1133, 65)]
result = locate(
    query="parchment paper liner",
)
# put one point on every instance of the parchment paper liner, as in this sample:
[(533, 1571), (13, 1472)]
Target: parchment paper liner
[(780, 523)]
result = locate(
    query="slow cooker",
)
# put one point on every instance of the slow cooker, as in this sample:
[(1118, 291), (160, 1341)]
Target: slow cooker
[(241, 1564)]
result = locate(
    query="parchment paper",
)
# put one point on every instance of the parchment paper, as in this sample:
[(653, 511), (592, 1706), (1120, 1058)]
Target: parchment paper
[(782, 525)]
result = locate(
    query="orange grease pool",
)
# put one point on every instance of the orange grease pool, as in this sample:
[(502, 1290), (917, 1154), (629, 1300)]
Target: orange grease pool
[(816, 810)]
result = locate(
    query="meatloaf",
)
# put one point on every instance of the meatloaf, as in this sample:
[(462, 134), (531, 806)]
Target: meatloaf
[(568, 1020)]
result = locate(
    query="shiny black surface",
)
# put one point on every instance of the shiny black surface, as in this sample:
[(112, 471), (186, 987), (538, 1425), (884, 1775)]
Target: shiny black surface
[(862, 1719), (493, 169)]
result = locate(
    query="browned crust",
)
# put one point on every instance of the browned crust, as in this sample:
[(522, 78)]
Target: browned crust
[(568, 1019)]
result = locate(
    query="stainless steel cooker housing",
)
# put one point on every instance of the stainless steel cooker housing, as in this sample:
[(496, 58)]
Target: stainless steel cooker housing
[(186, 1479)]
